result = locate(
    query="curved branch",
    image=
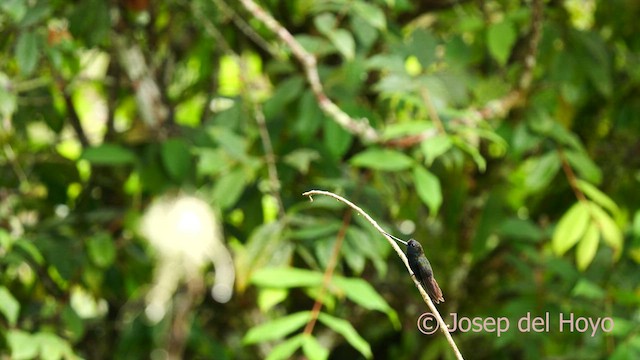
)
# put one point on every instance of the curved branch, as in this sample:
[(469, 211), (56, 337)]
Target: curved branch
[(425, 297), (359, 127)]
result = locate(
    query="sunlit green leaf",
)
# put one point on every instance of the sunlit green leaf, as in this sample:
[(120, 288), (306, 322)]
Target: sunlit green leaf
[(53, 347), (268, 298), (325, 22), (587, 247), (611, 233), (434, 147), (570, 228), (345, 329), (312, 348), (9, 306), (363, 294), (286, 349), (382, 159), (598, 196), (21, 344), (286, 277), (277, 328), (343, 41)]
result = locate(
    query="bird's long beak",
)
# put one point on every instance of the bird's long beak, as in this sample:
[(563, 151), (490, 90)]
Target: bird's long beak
[(396, 239)]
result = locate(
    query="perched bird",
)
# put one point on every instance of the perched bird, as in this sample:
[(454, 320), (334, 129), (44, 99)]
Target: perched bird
[(421, 268)]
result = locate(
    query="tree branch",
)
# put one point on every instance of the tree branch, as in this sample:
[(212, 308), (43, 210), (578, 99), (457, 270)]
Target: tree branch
[(328, 274), (358, 127), (425, 297)]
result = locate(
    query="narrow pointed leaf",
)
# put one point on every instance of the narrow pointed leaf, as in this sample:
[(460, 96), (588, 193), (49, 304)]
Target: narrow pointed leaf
[(350, 334), (276, 329), (587, 247), (570, 228)]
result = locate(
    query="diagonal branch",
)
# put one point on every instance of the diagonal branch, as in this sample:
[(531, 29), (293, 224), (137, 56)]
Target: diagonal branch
[(328, 274), (425, 297), (359, 127)]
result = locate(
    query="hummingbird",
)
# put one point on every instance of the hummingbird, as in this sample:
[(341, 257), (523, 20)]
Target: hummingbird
[(421, 268)]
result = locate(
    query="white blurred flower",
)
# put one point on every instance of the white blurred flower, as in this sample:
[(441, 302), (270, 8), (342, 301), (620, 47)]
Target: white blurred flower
[(185, 234)]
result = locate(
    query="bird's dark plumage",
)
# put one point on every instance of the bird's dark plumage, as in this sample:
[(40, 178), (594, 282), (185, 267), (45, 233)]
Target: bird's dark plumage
[(421, 267)]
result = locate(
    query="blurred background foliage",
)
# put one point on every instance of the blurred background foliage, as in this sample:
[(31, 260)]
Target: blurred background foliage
[(531, 206)]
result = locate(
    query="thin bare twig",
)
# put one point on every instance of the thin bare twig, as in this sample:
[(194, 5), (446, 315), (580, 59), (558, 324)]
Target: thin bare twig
[(328, 274), (246, 29), (358, 127), (431, 109), (425, 297), (270, 157), (248, 84)]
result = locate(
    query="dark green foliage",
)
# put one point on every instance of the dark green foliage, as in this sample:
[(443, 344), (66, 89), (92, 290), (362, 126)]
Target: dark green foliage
[(107, 105)]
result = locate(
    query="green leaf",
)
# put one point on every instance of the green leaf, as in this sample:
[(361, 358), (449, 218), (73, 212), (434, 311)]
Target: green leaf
[(212, 161), (542, 170), (268, 298), (520, 229), (336, 139), (611, 233), (52, 347), (473, 152), (228, 188), (587, 247), (286, 277), (9, 306), (287, 348), (382, 159), (101, 250), (570, 228), (325, 22), (8, 99), (27, 54), (344, 42), (500, 39), (585, 167), (276, 329), (345, 329), (312, 348), (598, 197), (176, 158), (300, 159), (428, 188), (21, 344), (435, 147), (16, 9), (108, 154), (588, 289), (362, 293), (370, 13)]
